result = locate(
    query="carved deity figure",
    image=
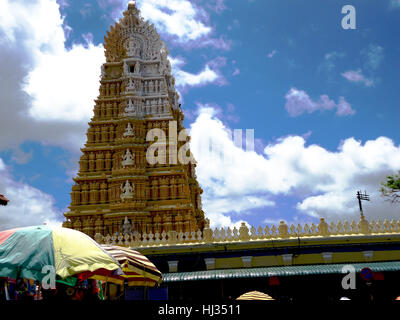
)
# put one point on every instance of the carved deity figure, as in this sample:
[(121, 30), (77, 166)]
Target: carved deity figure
[(129, 131), (126, 68), (131, 84), (126, 227), (128, 159), (133, 48), (130, 108), (137, 67), (127, 190)]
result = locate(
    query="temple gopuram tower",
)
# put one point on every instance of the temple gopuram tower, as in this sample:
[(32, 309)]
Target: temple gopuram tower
[(118, 180)]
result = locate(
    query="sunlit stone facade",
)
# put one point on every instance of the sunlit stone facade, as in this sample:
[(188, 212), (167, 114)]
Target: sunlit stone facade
[(116, 180)]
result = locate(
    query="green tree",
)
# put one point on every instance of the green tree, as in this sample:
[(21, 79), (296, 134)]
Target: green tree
[(391, 188)]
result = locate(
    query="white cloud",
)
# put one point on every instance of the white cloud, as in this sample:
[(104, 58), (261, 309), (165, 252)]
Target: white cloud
[(28, 206), (210, 74), (179, 18), (218, 220), (357, 76), (236, 181), (46, 90), (298, 102), (63, 85)]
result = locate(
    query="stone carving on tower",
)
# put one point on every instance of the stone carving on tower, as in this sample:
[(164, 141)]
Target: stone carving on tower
[(116, 182)]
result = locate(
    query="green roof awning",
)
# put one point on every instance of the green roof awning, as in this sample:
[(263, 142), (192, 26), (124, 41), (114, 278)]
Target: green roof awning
[(277, 271)]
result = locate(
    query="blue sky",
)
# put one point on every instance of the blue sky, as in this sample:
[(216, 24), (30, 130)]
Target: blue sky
[(323, 102)]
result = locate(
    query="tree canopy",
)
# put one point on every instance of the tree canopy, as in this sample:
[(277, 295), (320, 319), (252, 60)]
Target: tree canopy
[(391, 188)]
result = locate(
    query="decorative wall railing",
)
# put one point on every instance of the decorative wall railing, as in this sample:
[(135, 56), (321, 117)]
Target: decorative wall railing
[(282, 231)]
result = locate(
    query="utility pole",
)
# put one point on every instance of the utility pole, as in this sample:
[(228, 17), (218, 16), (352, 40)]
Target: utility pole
[(361, 196)]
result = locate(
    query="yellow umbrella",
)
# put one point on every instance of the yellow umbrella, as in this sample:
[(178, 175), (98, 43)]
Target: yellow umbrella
[(29, 252), (255, 295)]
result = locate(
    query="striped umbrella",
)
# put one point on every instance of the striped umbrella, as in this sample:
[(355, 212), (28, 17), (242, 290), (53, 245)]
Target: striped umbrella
[(255, 295), (137, 269), (29, 252)]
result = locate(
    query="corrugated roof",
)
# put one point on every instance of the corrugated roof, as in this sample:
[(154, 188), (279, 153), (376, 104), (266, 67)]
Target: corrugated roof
[(277, 271)]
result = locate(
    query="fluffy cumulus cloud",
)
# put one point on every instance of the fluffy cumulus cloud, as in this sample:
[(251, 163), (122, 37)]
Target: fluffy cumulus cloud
[(236, 180), (45, 88), (357, 76), (175, 17), (299, 102), (28, 206), (210, 74)]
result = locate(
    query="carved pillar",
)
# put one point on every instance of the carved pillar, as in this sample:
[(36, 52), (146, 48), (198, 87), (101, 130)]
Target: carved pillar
[(172, 189), (97, 135), (84, 193), (179, 188), (83, 163), (115, 111), (104, 131), (91, 161), (178, 223), (99, 225), (90, 135), (103, 192), (167, 223), (76, 194), (109, 110), (108, 161), (154, 189), (95, 193), (99, 161), (163, 188), (157, 224)]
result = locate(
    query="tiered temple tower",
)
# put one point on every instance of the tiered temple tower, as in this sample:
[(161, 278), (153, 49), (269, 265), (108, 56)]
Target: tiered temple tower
[(117, 181)]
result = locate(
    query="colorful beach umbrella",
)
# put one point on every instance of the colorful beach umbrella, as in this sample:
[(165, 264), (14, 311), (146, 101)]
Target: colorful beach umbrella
[(138, 270), (255, 295), (28, 252)]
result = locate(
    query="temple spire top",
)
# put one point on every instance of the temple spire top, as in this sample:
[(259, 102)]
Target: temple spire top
[(132, 8)]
